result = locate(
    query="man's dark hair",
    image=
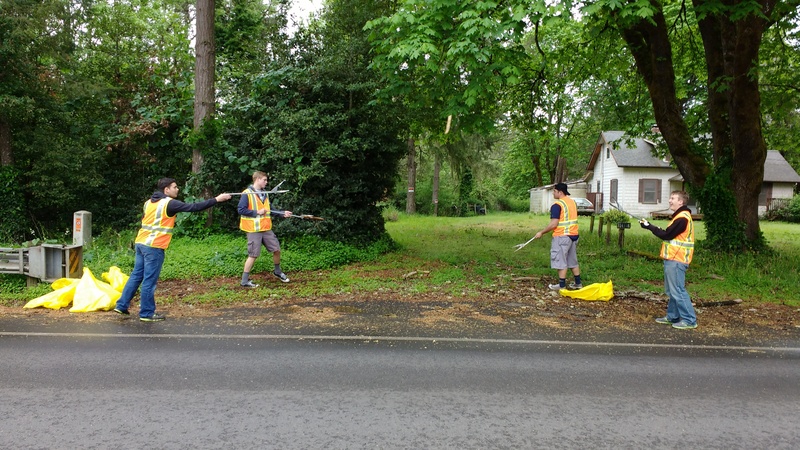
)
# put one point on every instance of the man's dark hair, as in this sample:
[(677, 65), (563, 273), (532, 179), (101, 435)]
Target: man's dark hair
[(165, 183)]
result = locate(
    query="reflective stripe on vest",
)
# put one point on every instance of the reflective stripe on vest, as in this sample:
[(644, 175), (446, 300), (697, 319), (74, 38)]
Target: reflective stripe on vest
[(568, 222), (259, 223), (680, 249), (157, 226)]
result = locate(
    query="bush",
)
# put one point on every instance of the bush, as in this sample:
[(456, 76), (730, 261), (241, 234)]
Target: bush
[(615, 216), (791, 213)]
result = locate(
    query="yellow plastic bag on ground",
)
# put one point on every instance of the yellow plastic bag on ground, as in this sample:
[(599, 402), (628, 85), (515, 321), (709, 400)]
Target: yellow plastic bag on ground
[(115, 278), (596, 291), (61, 297), (92, 294)]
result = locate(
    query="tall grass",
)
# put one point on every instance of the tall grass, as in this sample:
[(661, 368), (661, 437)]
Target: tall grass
[(457, 255)]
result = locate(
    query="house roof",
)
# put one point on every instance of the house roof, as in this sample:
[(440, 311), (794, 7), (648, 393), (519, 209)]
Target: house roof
[(627, 152), (778, 170)]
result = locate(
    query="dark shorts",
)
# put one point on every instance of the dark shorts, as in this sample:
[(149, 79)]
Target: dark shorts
[(266, 238)]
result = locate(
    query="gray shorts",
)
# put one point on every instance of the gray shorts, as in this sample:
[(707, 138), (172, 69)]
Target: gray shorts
[(563, 253), (255, 240)]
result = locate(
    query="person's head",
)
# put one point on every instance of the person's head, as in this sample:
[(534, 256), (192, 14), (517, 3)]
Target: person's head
[(168, 186), (678, 199), (259, 179), (560, 190)]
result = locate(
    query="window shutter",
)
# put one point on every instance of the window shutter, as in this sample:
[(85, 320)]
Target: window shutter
[(641, 190), (658, 191)]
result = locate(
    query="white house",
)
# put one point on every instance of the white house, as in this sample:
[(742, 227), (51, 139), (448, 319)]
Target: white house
[(629, 172)]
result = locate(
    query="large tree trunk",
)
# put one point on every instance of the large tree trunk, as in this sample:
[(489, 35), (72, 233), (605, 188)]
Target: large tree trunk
[(6, 155), (731, 50), (411, 166), (437, 167), (204, 97)]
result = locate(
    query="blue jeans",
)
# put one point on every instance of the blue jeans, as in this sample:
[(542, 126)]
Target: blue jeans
[(146, 270), (680, 305)]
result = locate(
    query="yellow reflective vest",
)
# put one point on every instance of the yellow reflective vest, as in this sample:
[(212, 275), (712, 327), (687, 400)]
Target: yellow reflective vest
[(258, 223), (157, 226), (681, 248), (568, 222)]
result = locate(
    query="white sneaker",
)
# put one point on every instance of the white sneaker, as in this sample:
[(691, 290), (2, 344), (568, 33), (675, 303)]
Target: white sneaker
[(555, 287)]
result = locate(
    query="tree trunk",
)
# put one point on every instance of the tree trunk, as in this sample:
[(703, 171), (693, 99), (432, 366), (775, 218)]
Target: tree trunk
[(437, 166), (204, 96), (6, 155), (411, 166)]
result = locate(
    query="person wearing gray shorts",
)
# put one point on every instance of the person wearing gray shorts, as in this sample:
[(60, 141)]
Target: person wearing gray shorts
[(255, 219), (563, 248)]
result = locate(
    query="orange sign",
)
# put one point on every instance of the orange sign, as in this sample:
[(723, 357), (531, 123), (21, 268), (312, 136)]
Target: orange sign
[(77, 224)]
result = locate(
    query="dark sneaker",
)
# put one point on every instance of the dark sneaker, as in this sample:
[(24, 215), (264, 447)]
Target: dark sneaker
[(555, 287), (153, 318), (249, 284), (665, 320), (683, 325), (574, 286), (282, 276), (123, 312)]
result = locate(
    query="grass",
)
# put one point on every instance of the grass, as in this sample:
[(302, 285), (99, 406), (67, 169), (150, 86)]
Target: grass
[(454, 257)]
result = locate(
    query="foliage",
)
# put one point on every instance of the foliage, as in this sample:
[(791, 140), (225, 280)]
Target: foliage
[(790, 213), (12, 208), (615, 216)]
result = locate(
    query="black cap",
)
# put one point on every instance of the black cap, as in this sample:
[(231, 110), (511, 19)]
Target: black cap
[(562, 187)]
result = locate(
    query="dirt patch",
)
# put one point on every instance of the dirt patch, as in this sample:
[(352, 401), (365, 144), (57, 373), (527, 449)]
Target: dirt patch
[(520, 304)]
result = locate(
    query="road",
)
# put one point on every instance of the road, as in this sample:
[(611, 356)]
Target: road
[(150, 388)]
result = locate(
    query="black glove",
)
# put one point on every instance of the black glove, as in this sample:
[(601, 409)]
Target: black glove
[(644, 223)]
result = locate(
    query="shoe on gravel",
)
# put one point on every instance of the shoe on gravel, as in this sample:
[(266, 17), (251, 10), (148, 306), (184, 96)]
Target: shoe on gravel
[(555, 287), (684, 325), (123, 312), (282, 276), (574, 286), (249, 284), (665, 320), (153, 318)]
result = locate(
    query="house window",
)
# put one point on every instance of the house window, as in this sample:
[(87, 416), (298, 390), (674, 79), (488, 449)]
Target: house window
[(598, 186), (649, 191), (614, 187), (608, 152)]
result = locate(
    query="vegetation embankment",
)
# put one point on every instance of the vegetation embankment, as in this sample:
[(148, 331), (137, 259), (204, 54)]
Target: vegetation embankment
[(452, 257)]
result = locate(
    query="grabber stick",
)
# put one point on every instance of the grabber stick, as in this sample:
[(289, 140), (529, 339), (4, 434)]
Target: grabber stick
[(520, 246)]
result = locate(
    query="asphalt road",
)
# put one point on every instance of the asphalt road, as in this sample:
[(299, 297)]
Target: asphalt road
[(127, 386)]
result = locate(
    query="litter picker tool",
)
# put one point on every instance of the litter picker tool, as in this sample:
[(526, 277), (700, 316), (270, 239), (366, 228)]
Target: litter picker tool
[(271, 191), (303, 216), (618, 207), (521, 246)]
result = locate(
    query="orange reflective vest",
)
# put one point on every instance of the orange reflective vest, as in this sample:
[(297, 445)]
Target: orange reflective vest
[(258, 223), (681, 248), (157, 226), (568, 222)]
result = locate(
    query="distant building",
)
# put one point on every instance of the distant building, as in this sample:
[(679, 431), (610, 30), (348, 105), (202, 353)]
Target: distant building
[(628, 172)]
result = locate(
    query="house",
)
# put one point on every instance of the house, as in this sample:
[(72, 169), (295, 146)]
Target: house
[(629, 172)]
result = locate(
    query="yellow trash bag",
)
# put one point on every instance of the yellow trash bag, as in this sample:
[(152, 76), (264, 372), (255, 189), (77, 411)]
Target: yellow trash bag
[(61, 297), (115, 278), (93, 295), (596, 291)]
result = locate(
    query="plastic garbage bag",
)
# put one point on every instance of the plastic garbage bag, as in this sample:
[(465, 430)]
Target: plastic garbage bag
[(61, 297), (596, 291), (115, 278), (92, 294)]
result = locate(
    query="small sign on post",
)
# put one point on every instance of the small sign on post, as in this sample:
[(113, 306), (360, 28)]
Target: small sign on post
[(82, 228)]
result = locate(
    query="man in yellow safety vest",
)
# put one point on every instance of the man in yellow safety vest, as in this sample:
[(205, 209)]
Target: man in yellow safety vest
[(563, 248), (677, 251)]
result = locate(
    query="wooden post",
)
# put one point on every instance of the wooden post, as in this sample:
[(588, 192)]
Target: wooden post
[(600, 228), (591, 224), (621, 237), (608, 233)]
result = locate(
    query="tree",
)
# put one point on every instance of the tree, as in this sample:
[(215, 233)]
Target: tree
[(731, 33)]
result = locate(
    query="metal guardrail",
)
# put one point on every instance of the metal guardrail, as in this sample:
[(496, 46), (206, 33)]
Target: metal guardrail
[(47, 262)]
